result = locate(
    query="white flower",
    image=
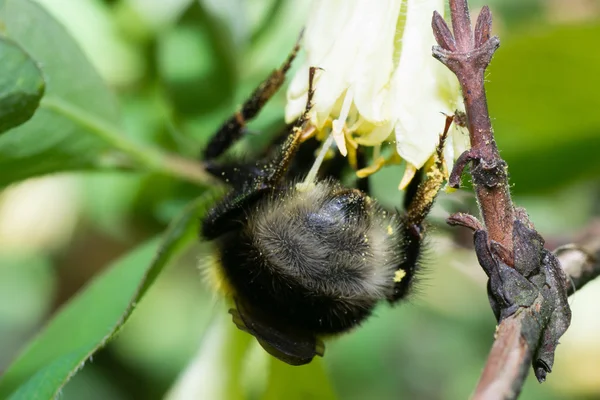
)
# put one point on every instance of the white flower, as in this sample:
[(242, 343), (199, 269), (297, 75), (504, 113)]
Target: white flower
[(379, 81)]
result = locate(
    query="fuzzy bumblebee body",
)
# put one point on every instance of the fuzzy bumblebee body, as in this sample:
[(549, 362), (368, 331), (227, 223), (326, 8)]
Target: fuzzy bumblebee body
[(305, 264), (316, 260), (310, 260)]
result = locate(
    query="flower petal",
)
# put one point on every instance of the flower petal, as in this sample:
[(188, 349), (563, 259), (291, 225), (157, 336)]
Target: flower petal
[(352, 41), (417, 103)]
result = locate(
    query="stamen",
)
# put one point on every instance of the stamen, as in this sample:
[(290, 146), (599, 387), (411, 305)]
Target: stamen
[(308, 133), (371, 169), (409, 174), (314, 170), (338, 124)]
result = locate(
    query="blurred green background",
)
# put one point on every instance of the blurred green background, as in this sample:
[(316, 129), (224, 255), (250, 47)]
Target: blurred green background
[(178, 69)]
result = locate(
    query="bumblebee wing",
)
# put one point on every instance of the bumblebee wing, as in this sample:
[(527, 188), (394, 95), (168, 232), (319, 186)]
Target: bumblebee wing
[(294, 348)]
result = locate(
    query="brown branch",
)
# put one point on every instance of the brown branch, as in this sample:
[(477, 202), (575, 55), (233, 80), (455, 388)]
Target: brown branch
[(527, 288), (507, 364), (581, 266), (509, 359), (581, 260), (468, 56)]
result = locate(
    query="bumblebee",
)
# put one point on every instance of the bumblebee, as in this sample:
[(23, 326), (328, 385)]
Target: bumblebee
[(302, 256)]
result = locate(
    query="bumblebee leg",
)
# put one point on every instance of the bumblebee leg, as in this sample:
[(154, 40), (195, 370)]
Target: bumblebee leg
[(418, 202), (237, 173), (234, 174), (260, 179), (276, 168), (361, 162), (234, 128), (422, 201)]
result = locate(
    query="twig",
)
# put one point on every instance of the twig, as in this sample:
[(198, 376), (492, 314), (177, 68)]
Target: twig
[(509, 359), (581, 266), (581, 260), (468, 55), (527, 287)]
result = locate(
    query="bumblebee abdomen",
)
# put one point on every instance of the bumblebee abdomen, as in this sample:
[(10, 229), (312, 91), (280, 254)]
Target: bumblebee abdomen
[(317, 259)]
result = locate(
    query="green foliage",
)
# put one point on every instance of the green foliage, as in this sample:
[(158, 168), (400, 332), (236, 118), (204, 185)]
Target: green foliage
[(193, 60), (543, 96), (21, 86), (308, 382), (60, 136), (58, 114), (91, 318)]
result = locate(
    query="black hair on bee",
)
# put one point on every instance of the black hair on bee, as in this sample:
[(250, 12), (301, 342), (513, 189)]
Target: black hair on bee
[(306, 260)]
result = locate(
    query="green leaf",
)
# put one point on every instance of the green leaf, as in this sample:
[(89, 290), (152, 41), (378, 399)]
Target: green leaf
[(94, 315), (53, 140), (217, 369), (21, 85), (194, 62), (543, 99), (231, 365), (297, 383)]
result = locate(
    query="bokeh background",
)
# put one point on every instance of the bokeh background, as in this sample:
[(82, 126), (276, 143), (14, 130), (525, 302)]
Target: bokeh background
[(179, 68)]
